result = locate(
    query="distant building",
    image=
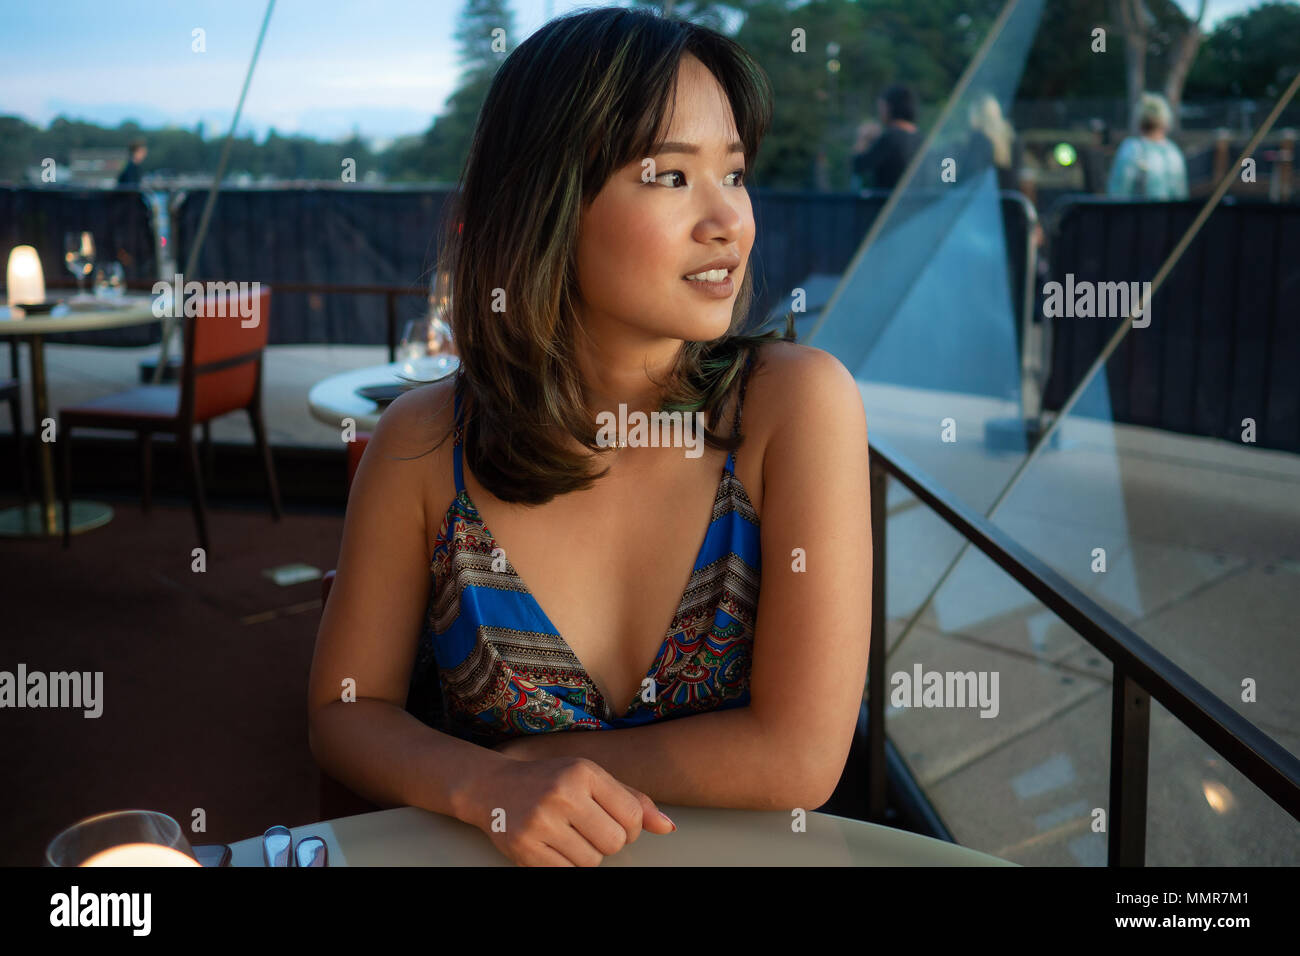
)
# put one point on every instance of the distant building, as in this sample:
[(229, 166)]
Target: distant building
[(96, 166)]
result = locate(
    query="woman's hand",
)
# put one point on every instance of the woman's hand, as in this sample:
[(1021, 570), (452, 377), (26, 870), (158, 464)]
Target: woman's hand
[(558, 811)]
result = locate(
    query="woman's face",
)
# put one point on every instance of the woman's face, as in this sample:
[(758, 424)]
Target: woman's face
[(638, 240)]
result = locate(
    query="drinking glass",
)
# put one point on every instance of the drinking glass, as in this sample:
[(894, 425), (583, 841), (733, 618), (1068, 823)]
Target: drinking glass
[(425, 348), (122, 838), (110, 281), (79, 257)]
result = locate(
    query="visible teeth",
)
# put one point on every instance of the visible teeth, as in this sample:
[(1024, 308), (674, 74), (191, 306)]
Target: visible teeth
[(713, 275)]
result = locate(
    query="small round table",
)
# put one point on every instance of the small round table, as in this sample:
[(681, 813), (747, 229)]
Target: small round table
[(80, 315), (335, 399), (409, 836)]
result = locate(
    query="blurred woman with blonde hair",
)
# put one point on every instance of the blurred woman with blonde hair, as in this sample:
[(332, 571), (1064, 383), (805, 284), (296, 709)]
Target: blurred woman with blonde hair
[(1150, 165), (992, 140)]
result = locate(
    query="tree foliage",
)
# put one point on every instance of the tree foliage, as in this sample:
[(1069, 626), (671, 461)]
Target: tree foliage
[(926, 43)]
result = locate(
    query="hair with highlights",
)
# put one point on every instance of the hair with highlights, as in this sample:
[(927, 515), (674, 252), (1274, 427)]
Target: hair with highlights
[(578, 100)]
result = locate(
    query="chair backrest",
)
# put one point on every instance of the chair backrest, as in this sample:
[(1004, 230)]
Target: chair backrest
[(223, 351), (356, 448)]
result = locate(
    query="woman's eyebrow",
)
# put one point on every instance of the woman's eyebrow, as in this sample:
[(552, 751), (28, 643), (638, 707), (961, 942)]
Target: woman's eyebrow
[(675, 147)]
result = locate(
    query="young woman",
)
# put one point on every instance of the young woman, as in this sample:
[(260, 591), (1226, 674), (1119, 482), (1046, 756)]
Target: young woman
[(607, 168)]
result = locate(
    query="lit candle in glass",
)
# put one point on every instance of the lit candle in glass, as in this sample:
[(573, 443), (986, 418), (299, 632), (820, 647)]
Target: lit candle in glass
[(24, 279), (140, 854)]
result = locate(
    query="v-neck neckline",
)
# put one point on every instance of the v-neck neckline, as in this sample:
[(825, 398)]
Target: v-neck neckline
[(608, 715)]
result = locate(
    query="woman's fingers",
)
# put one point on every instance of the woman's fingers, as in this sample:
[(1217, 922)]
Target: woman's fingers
[(574, 847)]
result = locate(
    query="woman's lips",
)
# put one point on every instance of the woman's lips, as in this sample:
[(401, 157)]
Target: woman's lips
[(716, 290)]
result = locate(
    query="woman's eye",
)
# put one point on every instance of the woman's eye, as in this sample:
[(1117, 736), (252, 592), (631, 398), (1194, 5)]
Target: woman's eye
[(676, 172)]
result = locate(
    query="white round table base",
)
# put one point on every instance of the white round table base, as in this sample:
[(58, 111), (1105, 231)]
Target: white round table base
[(27, 522)]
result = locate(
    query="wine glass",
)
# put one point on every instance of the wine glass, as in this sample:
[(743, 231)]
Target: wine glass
[(425, 348), (122, 838), (79, 257)]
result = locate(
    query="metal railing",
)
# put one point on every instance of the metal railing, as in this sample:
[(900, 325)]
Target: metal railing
[(1140, 672)]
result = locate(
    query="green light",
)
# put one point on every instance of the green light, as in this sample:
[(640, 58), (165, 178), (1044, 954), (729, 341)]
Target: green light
[(1064, 154)]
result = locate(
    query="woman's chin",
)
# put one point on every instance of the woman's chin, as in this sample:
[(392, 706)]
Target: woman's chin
[(708, 321), (705, 329)]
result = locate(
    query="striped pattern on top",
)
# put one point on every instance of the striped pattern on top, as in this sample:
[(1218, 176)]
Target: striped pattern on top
[(491, 665)]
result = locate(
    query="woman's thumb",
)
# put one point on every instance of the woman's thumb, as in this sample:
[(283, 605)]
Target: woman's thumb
[(652, 818)]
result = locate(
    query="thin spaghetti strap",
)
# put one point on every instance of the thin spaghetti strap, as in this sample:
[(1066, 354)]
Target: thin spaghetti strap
[(456, 450)]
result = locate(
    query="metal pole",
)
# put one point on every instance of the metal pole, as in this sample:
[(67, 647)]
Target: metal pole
[(1130, 742), (193, 258), (876, 770)]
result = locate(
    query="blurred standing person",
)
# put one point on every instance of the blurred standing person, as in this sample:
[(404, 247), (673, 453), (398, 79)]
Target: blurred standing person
[(992, 142), (882, 165), (1150, 165), (130, 175), (868, 133)]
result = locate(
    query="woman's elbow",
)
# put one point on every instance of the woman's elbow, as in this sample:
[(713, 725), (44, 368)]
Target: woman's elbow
[(803, 784), (318, 724)]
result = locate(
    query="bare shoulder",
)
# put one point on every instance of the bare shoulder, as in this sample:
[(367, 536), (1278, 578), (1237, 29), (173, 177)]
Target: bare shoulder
[(409, 441), (797, 387)]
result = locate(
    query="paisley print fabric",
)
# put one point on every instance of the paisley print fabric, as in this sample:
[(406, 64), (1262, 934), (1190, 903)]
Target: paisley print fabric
[(490, 664)]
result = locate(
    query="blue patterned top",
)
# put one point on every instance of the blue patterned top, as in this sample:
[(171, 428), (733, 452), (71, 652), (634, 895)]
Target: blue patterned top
[(491, 665)]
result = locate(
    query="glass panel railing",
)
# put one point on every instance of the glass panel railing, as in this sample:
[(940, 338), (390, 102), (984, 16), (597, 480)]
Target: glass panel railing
[(1016, 768), (1168, 485), (1201, 811)]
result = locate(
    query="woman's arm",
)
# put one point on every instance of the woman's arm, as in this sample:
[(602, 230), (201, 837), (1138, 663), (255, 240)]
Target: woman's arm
[(370, 626), (1179, 172), (1123, 171), (788, 747)]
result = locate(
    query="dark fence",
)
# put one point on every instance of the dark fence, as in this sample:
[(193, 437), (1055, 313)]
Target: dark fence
[(1224, 340), (119, 219), (1222, 346), (360, 236), (802, 234), (387, 237), (339, 236)]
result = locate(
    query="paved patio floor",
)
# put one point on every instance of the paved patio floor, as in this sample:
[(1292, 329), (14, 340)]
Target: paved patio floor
[(1201, 542)]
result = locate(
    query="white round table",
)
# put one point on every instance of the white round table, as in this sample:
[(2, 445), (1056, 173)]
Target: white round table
[(409, 836), (334, 399), (80, 314)]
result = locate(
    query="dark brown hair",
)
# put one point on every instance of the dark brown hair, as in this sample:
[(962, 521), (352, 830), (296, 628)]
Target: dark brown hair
[(578, 100)]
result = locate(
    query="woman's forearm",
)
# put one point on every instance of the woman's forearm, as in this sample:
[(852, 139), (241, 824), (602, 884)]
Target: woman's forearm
[(386, 755), (718, 759)]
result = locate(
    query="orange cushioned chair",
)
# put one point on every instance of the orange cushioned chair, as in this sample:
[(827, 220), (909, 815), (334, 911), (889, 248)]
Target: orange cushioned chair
[(221, 373)]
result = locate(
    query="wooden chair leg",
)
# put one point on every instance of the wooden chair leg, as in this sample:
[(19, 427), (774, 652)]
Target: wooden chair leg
[(146, 470), (65, 458), (190, 452), (259, 433), (207, 452), (16, 413)]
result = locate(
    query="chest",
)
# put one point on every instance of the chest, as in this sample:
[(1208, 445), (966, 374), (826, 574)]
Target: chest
[(607, 566)]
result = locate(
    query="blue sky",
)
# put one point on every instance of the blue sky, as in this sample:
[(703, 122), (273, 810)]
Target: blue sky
[(384, 67)]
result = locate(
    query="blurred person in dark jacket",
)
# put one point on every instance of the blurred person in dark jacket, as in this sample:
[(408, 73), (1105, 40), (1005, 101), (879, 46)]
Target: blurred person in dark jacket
[(130, 175), (883, 163)]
